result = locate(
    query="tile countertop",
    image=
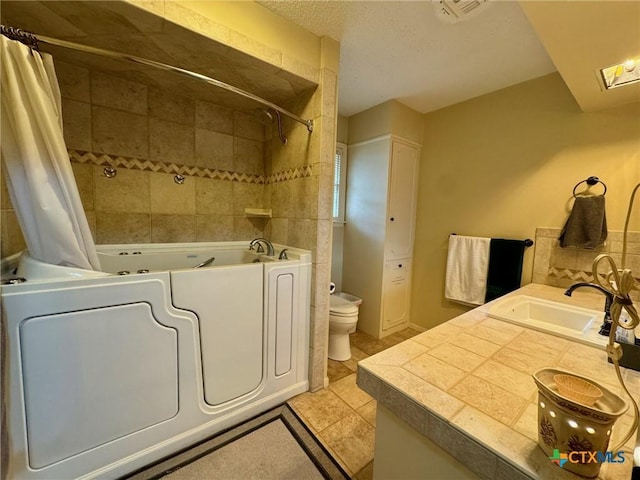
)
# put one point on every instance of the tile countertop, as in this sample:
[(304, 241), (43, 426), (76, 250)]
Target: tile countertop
[(467, 386)]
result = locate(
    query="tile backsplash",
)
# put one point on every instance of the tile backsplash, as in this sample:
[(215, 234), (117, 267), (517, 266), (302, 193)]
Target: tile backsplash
[(562, 267)]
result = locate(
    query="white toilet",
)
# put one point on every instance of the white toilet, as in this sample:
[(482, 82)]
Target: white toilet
[(343, 317)]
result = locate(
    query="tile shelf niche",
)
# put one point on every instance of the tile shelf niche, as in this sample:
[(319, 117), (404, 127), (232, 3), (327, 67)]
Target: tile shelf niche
[(257, 212)]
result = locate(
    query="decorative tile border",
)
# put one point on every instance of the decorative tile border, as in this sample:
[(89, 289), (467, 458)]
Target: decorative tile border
[(576, 275), (553, 264), (100, 159), (290, 174)]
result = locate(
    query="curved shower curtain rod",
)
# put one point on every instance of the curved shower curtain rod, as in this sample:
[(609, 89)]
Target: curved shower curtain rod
[(32, 40)]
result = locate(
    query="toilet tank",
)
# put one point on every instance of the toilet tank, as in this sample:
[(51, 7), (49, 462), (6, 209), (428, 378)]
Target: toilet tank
[(351, 298)]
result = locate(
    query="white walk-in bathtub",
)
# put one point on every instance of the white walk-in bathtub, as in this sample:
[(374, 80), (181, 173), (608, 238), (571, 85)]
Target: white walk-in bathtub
[(109, 372)]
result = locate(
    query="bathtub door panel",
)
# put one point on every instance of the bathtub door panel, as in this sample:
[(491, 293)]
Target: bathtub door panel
[(284, 323), (93, 376), (282, 304), (228, 303)]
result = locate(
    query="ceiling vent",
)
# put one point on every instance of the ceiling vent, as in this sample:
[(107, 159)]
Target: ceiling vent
[(453, 11)]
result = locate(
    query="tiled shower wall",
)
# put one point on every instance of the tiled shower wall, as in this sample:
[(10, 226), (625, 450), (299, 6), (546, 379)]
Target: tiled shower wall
[(151, 131), (562, 267), (104, 114)]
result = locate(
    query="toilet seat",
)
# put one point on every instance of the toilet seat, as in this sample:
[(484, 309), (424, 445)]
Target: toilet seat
[(339, 307)]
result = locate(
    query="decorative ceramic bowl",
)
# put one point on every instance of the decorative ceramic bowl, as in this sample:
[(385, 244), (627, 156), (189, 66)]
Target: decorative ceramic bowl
[(577, 389)]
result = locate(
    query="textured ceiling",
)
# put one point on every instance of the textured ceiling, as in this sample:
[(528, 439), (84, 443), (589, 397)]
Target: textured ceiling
[(403, 50)]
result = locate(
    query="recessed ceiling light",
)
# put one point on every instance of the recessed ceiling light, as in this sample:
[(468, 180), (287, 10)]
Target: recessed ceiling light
[(622, 74)]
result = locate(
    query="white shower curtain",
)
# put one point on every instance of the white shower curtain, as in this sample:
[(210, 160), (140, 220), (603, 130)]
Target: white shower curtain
[(40, 179)]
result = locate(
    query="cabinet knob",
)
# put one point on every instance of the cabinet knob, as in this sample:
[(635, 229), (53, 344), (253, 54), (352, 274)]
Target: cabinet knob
[(392, 219), (399, 265)]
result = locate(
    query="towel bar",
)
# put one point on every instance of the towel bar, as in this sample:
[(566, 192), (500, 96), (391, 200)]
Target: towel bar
[(527, 241)]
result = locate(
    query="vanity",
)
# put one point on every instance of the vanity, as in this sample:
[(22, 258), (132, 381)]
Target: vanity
[(459, 402)]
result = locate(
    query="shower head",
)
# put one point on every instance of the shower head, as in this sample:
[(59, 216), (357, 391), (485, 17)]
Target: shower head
[(270, 113), (263, 116)]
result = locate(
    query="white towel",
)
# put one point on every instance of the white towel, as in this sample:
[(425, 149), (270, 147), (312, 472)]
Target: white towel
[(467, 266)]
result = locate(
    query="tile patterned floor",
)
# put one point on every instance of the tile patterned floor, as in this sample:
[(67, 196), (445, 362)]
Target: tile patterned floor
[(342, 416)]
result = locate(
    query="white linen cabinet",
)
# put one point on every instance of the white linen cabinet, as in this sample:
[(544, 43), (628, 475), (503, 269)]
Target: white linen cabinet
[(382, 181)]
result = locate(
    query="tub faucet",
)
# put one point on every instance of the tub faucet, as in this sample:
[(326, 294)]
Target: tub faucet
[(259, 242), (605, 328)]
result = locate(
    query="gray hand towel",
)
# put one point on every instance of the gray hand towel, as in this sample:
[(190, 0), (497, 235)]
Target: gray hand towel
[(586, 226)]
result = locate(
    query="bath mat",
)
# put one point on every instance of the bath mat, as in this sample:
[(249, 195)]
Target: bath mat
[(275, 445)]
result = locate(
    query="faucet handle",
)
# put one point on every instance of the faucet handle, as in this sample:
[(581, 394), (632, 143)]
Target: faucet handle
[(283, 254), (260, 248)]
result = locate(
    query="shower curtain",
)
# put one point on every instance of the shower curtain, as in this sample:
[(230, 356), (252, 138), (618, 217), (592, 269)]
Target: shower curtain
[(39, 175)]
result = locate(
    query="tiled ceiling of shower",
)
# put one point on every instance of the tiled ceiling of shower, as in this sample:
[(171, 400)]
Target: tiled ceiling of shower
[(125, 28)]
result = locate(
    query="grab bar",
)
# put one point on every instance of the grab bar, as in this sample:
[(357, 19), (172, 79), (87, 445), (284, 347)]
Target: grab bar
[(205, 263)]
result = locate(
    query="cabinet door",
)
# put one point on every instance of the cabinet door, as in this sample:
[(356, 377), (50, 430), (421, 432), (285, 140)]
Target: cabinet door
[(401, 202), (396, 290)]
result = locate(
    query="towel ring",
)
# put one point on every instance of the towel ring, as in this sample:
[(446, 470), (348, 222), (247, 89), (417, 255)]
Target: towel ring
[(590, 181)]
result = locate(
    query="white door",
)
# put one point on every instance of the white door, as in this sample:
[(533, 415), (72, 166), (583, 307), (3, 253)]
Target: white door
[(402, 201), (395, 293)]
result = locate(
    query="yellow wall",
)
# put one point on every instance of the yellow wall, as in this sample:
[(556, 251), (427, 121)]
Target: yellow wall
[(388, 117), (505, 163), (343, 129)]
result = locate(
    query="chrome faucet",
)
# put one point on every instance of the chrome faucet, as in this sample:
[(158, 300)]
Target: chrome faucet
[(259, 242), (605, 328)]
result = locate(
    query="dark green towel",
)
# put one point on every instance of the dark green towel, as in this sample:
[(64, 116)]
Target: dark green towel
[(586, 226), (505, 267)]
